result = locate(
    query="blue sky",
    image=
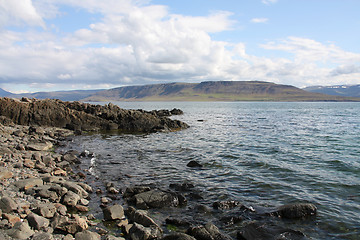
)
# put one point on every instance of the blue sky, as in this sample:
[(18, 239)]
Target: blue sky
[(49, 45)]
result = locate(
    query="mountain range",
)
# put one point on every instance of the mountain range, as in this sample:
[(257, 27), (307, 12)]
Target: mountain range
[(204, 91), (338, 90)]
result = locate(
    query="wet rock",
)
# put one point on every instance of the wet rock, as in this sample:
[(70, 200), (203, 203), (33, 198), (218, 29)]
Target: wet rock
[(157, 199), (132, 191), (113, 212), (200, 233), (7, 204), (140, 217), (194, 164), (265, 231), (87, 235), (37, 222), (222, 205), (21, 230), (297, 210), (182, 187), (139, 232), (110, 237), (177, 222), (215, 232), (178, 236)]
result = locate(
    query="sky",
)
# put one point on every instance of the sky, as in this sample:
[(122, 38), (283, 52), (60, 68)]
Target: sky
[(50, 45)]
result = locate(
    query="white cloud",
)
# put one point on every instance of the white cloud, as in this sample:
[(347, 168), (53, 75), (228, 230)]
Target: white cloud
[(259, 20), (267, 2), (142, 43), (19, 12)]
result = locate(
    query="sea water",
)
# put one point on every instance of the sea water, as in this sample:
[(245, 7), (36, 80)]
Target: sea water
[(263, 154)]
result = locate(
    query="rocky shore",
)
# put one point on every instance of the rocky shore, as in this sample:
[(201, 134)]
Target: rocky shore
[(44, 194)]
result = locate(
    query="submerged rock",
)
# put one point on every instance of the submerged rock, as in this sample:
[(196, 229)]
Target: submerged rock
[(297, 210)]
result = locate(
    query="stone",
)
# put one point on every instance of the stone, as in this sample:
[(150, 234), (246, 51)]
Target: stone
[(42, 236), (11, 218), (267, 231), (157, 199), (21, 230), (76, 188), (222, 205), (46, 210), (5, 174), (29, 183), (113, 212), (71, 198), (81, 208), (37, 222), (178, 236), (111, 237), (139, 232), (140, 216), (7, 204), (29, 163), (40, 146), (297, 210), (87, 235), (194, 164), (73, 226)]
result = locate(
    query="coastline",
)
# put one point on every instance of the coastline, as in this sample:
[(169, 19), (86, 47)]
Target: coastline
[(45, 196)]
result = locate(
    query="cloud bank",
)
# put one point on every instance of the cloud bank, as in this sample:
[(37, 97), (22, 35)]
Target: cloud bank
[(134, 42)]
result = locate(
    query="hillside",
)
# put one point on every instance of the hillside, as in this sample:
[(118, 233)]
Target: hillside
[(213, 91), (338, 90), (4, 93), (74, 95)]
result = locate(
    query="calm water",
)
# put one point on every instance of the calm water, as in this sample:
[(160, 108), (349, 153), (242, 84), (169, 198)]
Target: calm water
[(261, 154)]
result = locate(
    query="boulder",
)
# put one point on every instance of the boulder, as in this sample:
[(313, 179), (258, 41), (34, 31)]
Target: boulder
[(37, 222), (222, 205), (71, 199), (194, 164), (157, 199), (87, 235), (113, 212), (76, 188), (207, 232), (7, 204), (141, 217), (21, 230), (5, 174), (139, 232), (178, 236), (29, 183), (46, 210), (42, 236), (266, 231), (297, 210)]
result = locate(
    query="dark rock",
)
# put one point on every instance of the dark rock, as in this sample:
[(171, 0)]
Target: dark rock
[(178, 236), (200, 233), (194, 164), (221, 205), (297, 210), (131, 191), (177, 222), (37, 222), (215, 232), (113, 212), (176, 111), (140, 217), (157, 199), (139, 232), (182, 187), (264, 231)]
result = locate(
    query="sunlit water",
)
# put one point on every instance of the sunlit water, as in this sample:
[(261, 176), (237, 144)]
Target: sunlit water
[(261, 154)]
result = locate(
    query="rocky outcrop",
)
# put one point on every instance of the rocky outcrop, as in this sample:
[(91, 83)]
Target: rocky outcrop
[(84, 116)]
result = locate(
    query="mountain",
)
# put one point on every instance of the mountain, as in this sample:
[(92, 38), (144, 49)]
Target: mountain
[(4, 93), (213, 91), (74, 95), (338, 90)]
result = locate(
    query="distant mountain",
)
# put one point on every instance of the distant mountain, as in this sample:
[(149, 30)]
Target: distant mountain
[(74, 95), (338, 90), (213, 91), (4, 93)]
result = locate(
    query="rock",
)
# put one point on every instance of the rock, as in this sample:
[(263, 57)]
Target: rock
[(139, 232), (110, 237), (225, 205), (40, 146), (73, 226), (178, 236), (177, 222), (46, 210), (81, 208), (76, 188), (113, 212), (207, 232), (194, 164), (87, 235), (29, 183), (7, 204), (132, 191), (21, 230), (157, 199), (11, 218), (140, 217), (71, 198), (37, 222), (265, 231), (5, 174), (42, 236), (215, 232), (297, 210)]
